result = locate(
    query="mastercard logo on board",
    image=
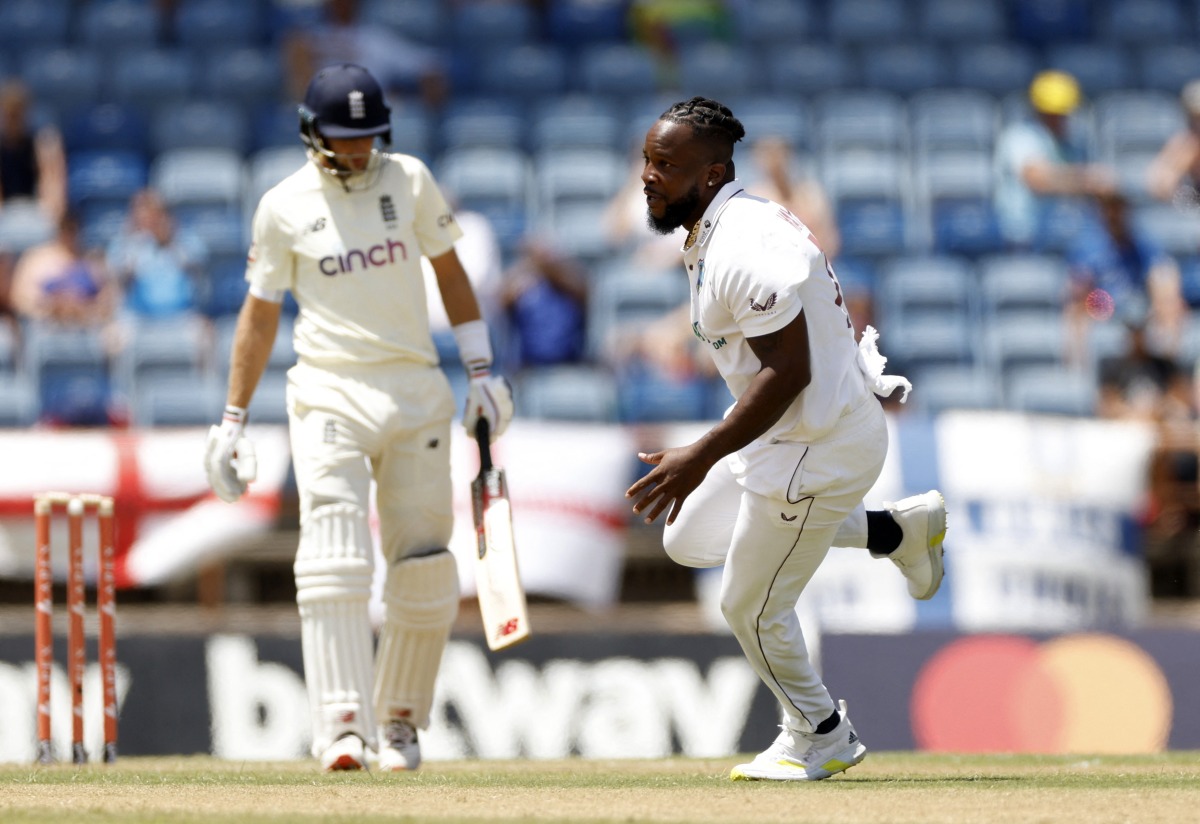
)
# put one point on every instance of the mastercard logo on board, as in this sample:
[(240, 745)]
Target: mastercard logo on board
[(1085, 693)]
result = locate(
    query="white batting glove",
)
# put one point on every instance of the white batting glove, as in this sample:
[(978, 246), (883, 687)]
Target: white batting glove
[(229, 458), (488, 397)]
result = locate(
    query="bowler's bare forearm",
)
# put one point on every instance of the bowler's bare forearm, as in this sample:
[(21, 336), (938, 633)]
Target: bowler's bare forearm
[(253, 338)]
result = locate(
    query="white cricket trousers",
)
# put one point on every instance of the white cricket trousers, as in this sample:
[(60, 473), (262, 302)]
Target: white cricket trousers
[(772, 544), (390, 424)]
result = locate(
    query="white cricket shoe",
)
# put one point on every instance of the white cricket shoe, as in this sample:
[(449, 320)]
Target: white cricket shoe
[(919, 556), (797, 756), (346, 753), (399, 749)]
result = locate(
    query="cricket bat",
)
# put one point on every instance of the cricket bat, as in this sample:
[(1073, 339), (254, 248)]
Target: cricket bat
[(497, 579)]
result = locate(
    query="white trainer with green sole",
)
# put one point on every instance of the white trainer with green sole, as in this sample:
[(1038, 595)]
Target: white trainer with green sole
[(798, 756)]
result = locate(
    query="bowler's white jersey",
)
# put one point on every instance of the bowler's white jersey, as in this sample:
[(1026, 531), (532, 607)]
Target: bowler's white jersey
[(753, 267), (352, 260)]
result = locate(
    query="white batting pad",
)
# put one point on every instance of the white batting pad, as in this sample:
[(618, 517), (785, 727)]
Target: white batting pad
[(333, 583), (421, 602)]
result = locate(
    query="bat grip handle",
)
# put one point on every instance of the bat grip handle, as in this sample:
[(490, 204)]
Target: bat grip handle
[(483, 438)]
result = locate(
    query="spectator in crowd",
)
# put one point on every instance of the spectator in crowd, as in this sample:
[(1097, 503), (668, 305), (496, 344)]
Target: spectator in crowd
[(1115, 266), (1140, 384), (544, 299), (1174, 173), (1039, 159), (157, 262), (666, 26), (405, 68), (61, 282), (32, 162)]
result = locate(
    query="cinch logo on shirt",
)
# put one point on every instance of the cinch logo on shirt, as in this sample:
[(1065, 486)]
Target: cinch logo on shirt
[(356, 259)]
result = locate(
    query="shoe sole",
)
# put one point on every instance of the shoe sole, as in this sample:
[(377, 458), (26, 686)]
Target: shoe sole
[(746, 772), (937, 534)]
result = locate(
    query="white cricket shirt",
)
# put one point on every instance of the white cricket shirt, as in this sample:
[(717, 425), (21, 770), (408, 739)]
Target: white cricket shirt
[(753, 267), (352, 260)]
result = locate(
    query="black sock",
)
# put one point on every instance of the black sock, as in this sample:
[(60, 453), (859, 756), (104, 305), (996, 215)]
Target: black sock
[(829, 724), (883, 533)]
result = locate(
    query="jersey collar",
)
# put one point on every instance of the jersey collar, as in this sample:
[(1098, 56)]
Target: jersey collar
[(703, 228)]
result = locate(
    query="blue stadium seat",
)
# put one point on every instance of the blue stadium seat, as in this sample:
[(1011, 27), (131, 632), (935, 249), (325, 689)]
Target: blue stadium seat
[(616, 69), (112, 25), (247, 76), (868, 190), (718, 70), (473, 122), (1014, 340), (18, 401), (1099, 67), (478, 24), (905, 68), (1039, 21), (1139, 120), (23, 224), (955, 187), (105, 175), (580, 394), (868, 21), (647, 397), (267, 167), (793, 69), (224, 232), (953, 118), (953, 21), (926, 285), (1143, 22), (105, 127), (157, 349), (177, 400), (570, 175), (1176, 230), (527, 72), (418, 20), (277, 124), (199, 176), (576, 121), (770, 116), (579, 22), (1062, 222), (71, 372), (916, 342), (579, 231), (998, 68), (1167, 66), (860, 118), (225, 289), (34, 24), (496, 181), (218, 24), (1022, 282), (629, 299), (152, 77), (63, 77), (768, 23), (199, 124), (1052, 390), (939, 389)]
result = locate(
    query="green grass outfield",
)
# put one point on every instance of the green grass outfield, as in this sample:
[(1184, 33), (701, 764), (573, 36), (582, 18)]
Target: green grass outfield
[(887, 787)]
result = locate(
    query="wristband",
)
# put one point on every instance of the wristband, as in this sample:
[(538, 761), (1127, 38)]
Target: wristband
[(474, 347), (234, 414)]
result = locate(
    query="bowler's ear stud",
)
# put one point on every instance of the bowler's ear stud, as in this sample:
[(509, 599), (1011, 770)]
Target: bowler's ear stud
[(710, 183)]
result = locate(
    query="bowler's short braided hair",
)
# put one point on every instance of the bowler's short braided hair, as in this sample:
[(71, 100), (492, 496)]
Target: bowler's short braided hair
[(711, 121)]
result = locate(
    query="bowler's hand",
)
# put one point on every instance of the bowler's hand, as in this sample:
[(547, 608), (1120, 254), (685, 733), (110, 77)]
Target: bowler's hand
[(676, 474)]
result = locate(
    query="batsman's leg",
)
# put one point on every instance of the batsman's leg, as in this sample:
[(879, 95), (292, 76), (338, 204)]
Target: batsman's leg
[(333, 584), (421, 602)]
